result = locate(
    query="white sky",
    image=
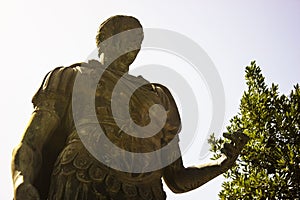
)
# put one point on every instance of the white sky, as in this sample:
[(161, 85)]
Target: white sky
[(37, 36)]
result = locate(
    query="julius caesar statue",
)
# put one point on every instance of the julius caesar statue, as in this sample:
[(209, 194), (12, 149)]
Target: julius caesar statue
[(64, 152)]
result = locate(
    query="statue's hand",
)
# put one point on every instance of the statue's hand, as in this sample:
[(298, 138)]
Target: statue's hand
[(233, 149), (26, 191)]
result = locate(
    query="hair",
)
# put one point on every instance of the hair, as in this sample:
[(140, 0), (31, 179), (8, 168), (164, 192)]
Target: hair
[(116, 24)]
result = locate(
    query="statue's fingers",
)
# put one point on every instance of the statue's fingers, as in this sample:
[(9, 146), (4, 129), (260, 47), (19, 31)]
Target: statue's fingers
[(228, 150), (230, 147), (236, 138), (230, 137), (242, 138), (238, 141), (225, 151), (245, 138), (240, 135)]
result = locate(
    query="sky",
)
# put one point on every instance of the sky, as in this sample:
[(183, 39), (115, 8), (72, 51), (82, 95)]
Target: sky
[(37, 36)]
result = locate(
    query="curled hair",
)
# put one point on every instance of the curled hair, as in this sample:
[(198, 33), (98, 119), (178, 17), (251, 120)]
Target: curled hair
[(116, 24)]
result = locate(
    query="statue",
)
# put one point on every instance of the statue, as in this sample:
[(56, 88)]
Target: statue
[(51, 162)]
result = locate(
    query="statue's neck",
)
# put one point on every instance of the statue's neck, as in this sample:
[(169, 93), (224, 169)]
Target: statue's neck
[(116, 65)]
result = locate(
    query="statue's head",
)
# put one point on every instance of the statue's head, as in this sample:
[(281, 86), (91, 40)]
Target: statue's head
[(117, 44)]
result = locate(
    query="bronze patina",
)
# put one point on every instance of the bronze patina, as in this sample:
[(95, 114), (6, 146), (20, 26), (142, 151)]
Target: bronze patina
[(51, 162)]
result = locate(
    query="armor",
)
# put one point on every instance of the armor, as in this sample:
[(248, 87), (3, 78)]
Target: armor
[(76, 173)]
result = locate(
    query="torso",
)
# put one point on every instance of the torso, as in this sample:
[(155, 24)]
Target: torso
[(76, 167)]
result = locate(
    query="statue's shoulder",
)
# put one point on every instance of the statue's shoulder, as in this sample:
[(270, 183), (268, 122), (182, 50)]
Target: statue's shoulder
[(58, 78), (173, 123), (164, 94), (57, 84)]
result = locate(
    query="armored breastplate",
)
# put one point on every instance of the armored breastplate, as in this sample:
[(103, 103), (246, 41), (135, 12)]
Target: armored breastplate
[(93, 133)]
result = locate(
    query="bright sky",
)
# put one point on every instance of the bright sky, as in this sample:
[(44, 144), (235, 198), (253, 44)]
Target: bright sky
[(37, 36)]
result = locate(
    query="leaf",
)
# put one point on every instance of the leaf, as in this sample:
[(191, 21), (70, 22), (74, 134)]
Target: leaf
[(269, 167)]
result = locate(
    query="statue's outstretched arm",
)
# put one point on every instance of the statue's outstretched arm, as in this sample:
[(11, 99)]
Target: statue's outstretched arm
[(180, 179), (50, 104)]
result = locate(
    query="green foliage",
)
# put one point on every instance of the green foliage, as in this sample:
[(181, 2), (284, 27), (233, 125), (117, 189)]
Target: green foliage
[(269, 165)]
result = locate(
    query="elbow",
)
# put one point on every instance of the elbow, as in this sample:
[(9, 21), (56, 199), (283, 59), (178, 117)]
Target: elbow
[(24, 155), (178, 191), (175, 189), (174, 184), (26, 162)]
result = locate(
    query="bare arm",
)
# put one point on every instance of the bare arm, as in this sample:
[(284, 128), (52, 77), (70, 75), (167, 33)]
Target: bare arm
[(180, 179)]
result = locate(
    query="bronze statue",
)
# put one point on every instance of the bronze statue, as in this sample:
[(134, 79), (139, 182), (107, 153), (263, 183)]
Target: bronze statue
[(52, 162)]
